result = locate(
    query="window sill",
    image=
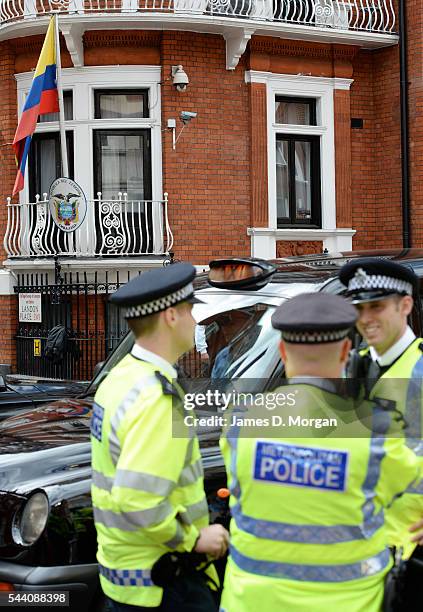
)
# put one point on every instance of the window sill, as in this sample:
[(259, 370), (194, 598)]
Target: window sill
[(300, 233), (263, 239)]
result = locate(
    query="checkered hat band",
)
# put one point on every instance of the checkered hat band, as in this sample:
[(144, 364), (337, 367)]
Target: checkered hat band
[(315, 337), (364, 282), (160, 304)]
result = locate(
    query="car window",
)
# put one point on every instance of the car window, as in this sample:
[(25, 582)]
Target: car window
[(124, 346), (241, 343)]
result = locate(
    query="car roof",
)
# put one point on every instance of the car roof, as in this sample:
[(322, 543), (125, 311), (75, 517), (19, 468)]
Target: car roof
[(325, 265), (318, 267)]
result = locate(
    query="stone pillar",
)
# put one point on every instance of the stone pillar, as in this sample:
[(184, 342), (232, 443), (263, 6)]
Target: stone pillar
[(259, 176)]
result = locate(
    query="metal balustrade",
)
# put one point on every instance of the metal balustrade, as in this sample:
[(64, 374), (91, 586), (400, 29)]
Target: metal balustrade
[(112, 227), (376, 16)]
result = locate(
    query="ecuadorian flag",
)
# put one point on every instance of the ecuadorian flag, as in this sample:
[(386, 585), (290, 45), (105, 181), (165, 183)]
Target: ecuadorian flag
[(42, 99)]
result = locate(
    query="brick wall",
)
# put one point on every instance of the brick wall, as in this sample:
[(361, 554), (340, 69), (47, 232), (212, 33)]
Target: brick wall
[(9, 326), (8, 119), (362, 154), (415, 78), (207, 176)]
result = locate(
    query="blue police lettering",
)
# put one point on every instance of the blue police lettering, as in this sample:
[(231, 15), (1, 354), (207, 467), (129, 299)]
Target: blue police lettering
[(96, 424), (302, 466)]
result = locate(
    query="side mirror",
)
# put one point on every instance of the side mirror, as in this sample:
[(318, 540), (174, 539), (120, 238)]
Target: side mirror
[(3, 386), (97, 368)]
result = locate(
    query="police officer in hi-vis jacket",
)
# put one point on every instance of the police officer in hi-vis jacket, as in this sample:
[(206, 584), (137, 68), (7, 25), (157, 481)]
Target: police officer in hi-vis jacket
[(391, 368), (147, 485), (308, 528)]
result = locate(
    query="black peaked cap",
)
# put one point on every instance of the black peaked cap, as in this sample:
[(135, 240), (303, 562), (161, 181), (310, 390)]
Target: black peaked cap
[(314, 318), (156, 290), (372, 278)]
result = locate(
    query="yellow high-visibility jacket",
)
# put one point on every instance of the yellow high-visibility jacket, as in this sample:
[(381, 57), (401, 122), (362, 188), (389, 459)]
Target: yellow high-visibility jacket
[(308, 529), (402, 384), (147, 485)]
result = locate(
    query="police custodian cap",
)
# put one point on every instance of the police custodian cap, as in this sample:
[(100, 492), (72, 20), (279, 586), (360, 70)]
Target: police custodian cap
[(314, 318), (369, 278), (156, 290)]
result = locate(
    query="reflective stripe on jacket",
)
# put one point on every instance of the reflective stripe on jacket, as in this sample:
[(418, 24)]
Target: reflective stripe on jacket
[(308, 514), (147, 485)]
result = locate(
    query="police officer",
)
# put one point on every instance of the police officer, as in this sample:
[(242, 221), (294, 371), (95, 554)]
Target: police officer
[(147, 485), (307, 531), (392, 365)]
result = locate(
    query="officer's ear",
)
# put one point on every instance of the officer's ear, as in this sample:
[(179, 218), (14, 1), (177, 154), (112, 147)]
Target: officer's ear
[(345, 350), (406, 305), (282, 350), (170, 316)]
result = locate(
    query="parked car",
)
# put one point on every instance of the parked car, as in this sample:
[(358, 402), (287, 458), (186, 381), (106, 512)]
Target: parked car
[(25, 392), (47, 535)]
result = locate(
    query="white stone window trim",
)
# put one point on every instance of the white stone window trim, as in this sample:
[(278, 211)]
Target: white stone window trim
[(263, 240), (83, 82)]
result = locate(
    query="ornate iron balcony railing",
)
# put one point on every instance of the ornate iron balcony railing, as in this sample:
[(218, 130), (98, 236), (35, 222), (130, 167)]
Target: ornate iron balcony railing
[(376, 16), (111, 228)]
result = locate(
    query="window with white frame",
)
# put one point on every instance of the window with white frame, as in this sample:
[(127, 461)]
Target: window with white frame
[(297, 156), (113, 130), (297, 164), (113, 133), (301, 151)]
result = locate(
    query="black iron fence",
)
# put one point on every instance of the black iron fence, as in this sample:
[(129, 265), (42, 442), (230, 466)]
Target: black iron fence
[(81, 305)]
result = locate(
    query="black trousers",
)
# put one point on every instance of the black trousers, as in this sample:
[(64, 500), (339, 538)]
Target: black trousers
[(188, 593)]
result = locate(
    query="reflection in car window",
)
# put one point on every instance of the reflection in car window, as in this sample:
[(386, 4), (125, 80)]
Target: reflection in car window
[(241, 343)]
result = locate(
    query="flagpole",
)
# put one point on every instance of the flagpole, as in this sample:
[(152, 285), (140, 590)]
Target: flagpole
[(63, 147)]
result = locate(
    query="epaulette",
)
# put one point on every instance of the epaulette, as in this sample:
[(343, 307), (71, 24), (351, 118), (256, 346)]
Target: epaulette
[(167, 387)]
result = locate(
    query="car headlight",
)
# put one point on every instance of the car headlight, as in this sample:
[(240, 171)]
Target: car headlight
[(30, 522)]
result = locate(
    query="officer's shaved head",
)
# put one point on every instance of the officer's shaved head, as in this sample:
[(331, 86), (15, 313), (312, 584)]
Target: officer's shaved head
[(322, 360)]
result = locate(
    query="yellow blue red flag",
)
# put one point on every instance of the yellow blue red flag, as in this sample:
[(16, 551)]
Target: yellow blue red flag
[(42, 99)]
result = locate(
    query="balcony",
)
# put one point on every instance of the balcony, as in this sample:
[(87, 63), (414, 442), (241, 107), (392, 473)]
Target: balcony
[(112, 228), (366, 23)]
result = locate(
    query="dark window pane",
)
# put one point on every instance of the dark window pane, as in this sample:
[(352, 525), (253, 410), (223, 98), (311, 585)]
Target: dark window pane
[(68, 108), (121, 104), (45, 161), (282, 179), (122, 165), (298, 180), (303, 180)]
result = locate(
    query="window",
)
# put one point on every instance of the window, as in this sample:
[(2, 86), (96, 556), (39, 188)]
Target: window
[(298, 180), (113, 120), (122, 164), (296, 111), (45, 161), (67, 107), (297, 163), (120, 104)]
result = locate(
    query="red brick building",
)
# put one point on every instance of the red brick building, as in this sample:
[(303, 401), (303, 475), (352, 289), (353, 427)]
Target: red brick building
[(296, 146)]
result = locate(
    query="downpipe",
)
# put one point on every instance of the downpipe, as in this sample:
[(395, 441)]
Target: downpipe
[(405, 141)]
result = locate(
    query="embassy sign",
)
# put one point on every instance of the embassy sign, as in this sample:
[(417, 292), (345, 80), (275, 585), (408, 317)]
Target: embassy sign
[(30, 308), (67, 203)]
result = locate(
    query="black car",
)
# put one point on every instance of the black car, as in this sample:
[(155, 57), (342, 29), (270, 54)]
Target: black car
[(47, 535), (25, 392)]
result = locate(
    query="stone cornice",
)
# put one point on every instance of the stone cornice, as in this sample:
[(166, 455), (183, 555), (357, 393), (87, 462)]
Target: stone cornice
[(295, 48), (29, 44), (272, 46), (106, 38)]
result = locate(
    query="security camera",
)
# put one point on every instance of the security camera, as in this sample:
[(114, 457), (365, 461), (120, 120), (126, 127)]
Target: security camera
[(179, 78), (186, 116)]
